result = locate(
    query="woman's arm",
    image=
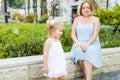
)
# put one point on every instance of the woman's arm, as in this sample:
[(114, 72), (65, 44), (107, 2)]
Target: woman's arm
[(94, 36), (45, 54), (73, 33), (96, 30)]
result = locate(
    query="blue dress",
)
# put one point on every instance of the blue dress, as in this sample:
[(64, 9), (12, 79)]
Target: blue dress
[(93, 53)]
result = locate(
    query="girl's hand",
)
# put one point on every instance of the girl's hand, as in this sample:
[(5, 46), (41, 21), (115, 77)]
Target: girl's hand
[(84, 47), (46, 69)]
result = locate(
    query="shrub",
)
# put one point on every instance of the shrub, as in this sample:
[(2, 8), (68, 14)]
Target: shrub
[(18, 16), (26, 39), (108, 38), (109, 17), (3, 53), (66, 38), (22, 39), (30, 18), (44, 18)]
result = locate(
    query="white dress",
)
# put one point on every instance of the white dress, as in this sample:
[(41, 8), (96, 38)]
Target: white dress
[(56, 60)]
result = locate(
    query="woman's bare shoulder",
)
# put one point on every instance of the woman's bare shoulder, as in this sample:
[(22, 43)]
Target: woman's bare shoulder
[(77, 18), (95, 19)]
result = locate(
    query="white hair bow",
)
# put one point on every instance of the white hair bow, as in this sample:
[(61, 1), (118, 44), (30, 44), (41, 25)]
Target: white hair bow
[(52, 22)]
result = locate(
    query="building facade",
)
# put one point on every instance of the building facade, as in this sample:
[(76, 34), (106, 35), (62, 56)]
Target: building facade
[(68, 7), (61, 8), (36, 6)]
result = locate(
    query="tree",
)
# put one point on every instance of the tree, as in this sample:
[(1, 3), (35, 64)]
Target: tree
[(43, 7), (16, 3)]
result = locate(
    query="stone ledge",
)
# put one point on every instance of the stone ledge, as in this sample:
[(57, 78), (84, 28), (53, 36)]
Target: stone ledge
[(31, 67), (38, 59), (115, 50), (20, 61)]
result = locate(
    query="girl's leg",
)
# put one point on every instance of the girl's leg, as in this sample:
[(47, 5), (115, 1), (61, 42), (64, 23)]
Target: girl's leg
[(88, 70), (61, 78)]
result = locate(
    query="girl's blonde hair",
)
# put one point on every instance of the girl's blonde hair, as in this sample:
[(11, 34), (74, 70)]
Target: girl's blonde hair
[(53, 25)]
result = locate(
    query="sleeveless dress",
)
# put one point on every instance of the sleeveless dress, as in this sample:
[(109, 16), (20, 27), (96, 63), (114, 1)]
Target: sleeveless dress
[(56, 61), (93, 53)]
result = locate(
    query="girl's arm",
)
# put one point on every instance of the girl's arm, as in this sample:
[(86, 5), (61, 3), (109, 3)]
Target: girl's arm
[(45, 54)]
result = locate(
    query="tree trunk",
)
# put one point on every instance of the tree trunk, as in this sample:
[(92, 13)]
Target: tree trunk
[(44, 7)]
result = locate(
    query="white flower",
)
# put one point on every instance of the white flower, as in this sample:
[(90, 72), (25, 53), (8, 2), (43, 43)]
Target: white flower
[(52, 22), (15, 31)]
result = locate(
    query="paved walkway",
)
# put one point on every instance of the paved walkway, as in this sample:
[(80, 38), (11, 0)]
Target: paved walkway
[(106, 76)]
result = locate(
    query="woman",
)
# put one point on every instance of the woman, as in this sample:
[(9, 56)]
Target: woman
[(86, 49)]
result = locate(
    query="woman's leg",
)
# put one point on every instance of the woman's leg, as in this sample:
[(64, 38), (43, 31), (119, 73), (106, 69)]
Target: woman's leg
[(81, 64), (83, 69), (61, 78), (88, 70), (54, 78)]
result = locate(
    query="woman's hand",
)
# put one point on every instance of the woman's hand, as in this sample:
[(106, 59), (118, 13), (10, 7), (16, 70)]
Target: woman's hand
[(84, 47), (77, 44), (46, 69)]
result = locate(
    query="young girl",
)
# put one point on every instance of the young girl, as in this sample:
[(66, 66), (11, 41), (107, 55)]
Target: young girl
[(54, 59)]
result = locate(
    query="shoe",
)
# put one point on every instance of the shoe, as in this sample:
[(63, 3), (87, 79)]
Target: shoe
[(84, 78)]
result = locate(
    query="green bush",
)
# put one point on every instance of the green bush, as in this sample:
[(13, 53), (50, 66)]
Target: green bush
[(22, 39), (17, 16), (44, 18), (66, 38), (3, 53), (30, 18), (108, 38), (27, 39), (109, 17)]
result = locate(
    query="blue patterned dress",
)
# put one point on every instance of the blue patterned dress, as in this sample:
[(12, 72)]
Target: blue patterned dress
[(93, 53)]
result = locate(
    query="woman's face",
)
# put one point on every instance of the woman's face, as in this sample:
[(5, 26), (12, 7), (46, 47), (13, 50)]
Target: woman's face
[(86, 9)]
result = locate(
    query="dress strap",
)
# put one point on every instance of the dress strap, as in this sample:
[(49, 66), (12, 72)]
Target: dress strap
[(52, 40), (78, 20)]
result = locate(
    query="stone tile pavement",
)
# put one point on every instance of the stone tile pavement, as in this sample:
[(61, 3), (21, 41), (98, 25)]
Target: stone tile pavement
[(105, 76)]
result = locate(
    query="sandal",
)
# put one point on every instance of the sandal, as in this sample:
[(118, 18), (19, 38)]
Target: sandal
[(84, 78)]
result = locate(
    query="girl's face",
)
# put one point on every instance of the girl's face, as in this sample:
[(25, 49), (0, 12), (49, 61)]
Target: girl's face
[(86, 9), (58, 33)]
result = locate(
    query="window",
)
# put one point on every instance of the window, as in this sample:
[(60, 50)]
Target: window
[(76, 0)]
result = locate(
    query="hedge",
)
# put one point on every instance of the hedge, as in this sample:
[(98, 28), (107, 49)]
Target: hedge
[(27, 39)]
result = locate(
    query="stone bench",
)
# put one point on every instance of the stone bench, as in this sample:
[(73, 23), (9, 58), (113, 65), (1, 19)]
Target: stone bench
[(31, 67)]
